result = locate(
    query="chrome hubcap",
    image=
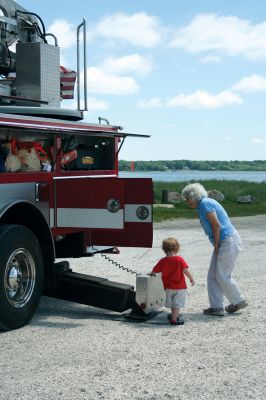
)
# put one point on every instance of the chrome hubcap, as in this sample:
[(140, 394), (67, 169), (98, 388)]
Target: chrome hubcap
[(19, 278)]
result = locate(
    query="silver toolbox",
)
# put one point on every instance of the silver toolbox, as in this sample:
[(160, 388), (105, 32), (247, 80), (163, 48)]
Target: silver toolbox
[(38, 74)]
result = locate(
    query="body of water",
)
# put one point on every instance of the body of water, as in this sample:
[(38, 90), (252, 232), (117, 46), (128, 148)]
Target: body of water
[(188, 175)]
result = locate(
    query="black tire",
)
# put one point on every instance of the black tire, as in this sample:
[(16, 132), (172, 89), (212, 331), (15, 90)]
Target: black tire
[(21, 276)]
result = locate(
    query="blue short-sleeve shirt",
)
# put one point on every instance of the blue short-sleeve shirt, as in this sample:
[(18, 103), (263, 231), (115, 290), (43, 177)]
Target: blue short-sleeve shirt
[(206, 206)]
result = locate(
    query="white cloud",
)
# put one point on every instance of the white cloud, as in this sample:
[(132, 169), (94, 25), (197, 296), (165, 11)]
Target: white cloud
[(64, 32), (252, 83), (203, 99), (229, 139), (94, 104), (99, 81), (70, 105), (154, 102), (129, 63), (211, 59), (139, 29), (257, 141), (230, 35)]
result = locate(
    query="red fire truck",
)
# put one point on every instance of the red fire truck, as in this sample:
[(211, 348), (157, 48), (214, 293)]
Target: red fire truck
[(60, 193)]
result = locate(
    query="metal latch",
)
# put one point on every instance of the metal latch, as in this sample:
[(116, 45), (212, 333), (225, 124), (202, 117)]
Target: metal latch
[(41, 191)]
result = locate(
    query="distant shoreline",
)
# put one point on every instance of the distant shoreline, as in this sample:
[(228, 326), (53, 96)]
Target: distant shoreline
[(188, 165)]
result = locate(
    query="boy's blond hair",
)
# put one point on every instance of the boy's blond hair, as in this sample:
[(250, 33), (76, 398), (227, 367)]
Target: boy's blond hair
[(170, 245)]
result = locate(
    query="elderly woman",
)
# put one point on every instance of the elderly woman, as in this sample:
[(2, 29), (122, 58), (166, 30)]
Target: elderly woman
[(227, 244)]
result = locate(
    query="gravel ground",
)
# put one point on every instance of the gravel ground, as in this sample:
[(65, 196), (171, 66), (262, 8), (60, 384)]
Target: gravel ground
[(71, 351)]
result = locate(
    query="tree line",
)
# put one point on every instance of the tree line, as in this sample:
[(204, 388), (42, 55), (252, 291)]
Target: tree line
[(172, 165)]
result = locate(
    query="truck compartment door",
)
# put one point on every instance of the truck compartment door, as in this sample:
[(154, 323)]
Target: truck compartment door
[(83, 203), (138, 227)]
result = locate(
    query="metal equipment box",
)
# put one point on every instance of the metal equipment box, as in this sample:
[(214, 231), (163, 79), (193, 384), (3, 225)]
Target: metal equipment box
[(150, 294), (38, 74)]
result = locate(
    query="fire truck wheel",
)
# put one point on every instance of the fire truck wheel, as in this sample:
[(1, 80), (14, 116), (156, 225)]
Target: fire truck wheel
[(21, 275)]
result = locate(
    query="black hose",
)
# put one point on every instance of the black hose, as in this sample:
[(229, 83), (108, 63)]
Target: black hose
[(43, 33)]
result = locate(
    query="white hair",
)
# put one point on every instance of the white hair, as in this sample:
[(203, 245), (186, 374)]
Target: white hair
[(194, 192)]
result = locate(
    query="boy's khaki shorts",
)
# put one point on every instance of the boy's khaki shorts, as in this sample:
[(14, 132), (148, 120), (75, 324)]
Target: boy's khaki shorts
[(175, 298)]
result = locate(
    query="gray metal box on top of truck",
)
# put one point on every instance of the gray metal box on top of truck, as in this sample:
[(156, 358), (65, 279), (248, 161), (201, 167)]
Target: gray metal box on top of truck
[(38, 74)]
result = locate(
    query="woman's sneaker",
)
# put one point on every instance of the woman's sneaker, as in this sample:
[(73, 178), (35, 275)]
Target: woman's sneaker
[(233, 308), (219, 312)]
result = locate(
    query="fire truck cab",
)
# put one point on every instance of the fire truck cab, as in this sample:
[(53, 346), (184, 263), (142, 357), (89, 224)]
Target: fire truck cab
[(60, 191)]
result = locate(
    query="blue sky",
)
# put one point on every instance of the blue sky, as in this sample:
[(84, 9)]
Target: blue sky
[(192, 73)]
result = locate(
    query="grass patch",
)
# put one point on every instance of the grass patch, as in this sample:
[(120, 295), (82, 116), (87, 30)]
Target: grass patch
[(231, 190)]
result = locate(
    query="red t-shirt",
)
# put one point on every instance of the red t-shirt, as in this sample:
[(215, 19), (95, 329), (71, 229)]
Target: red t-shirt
[(172, 272)]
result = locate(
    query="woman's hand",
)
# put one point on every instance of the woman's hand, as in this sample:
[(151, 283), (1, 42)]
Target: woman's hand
[(216, 249)]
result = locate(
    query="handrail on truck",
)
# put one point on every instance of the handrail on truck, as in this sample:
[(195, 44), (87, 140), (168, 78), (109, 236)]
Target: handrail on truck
[(82, 25)]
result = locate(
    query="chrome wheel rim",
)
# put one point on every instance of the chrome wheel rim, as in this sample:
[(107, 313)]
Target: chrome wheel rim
[(19, 280)]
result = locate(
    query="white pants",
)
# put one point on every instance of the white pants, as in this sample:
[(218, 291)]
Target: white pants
[(220, 281)]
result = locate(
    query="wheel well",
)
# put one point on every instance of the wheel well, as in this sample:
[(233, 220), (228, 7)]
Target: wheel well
[(26, 214)]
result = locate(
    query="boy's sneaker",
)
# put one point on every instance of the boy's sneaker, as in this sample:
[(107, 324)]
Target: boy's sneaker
[(219, 312), (233, 308), (169, 316), (177, 322)]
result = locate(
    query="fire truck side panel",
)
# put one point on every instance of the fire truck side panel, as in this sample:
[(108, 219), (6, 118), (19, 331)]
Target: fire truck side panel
[(11, 193)]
